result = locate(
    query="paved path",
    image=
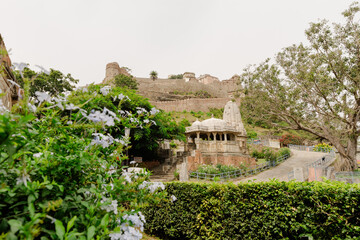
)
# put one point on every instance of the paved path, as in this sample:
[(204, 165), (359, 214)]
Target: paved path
[(299, 159)]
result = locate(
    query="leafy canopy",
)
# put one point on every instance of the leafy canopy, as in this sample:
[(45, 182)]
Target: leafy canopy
[(124, 81), (54, 83), (314, 88)]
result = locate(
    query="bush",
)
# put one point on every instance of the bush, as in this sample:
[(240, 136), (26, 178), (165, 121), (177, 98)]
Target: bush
[(251, 135), (291, 139), (124, 81), (272, 210), (61, 169), (322, 147), (218, 168)]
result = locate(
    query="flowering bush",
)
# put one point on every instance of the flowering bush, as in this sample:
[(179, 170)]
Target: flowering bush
[(291, 139), (60, 167), (322, 147)]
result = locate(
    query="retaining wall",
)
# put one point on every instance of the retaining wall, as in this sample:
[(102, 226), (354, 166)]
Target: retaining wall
[(193, 104)]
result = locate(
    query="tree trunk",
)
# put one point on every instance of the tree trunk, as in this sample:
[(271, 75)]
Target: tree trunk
[(348, 161)]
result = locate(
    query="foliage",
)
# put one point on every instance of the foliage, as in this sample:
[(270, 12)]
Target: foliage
[(313, 88), (202, 94), (61, 176), (54, 82), (322, 147), (291, 139), (215, 169), (251, 135), (216, 112), (148, 125), (271, 210), (153, 75), (124, 81), (178, 76), (173, 144), (269, 154), (197, 94)]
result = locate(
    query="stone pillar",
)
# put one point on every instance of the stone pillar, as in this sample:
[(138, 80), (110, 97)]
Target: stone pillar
[(214, 136), (197, 135), (208, 135), (225, 135)]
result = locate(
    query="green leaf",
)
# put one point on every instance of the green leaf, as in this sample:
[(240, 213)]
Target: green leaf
[(105, 220), (14, 225), (71, 223), (60, 230), (90, 232)]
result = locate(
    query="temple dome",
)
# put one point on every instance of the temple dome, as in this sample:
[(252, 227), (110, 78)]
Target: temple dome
[(214, 122)]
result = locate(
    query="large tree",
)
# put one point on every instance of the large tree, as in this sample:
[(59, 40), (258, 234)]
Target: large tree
[(314, 87)]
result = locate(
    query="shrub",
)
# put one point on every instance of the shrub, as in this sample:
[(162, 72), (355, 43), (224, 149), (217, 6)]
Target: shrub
[(272, 210), (322, 147), (124, 81), (251, 134), (291, 139), (61, 174)]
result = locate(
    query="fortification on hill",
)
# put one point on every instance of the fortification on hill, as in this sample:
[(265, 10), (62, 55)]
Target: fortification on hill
[(189, 93)]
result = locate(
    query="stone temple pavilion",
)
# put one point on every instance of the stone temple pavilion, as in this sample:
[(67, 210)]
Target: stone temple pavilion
[(214, 141)]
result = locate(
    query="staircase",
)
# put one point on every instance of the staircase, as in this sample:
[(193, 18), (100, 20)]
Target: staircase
[(165, 171)]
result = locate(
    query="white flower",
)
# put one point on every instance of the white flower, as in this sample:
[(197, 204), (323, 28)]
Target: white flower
[(152, 186), (103, 140), (42, 96), (37, 155), (71, 106), (127, 176), (146, 121), (154, 111), (132, 162), (69, 122), (23, 179), (112, 207), (106, 116), (105, 90), (32, 107), (173, 198)]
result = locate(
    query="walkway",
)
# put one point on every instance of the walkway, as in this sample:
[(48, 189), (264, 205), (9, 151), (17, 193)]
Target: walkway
[(299, 159)]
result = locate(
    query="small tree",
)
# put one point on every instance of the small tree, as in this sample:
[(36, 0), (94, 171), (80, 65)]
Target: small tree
[(153, 75), (53, 82), (124, 81)]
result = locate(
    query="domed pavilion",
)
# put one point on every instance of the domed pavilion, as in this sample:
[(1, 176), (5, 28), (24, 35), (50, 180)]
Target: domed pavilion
[(219, 140)]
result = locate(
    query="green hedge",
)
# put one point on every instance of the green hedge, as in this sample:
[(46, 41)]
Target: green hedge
[(272, 210)]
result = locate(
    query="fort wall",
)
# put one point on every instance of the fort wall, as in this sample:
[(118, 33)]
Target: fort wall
[(192, 104)]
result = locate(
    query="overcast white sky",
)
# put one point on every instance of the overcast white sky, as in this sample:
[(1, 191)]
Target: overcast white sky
[(218, 37)]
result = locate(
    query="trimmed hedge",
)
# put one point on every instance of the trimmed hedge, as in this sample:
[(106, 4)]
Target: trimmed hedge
[(271, 210)]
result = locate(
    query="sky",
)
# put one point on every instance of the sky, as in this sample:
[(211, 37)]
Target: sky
[(217, 37)]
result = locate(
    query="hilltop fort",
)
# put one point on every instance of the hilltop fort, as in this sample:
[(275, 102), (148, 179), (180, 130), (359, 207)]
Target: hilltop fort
[(189, 93)]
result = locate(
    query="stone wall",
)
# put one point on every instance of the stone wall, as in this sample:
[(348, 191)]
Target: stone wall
[(10, 91), (197, 159), (193, 104)]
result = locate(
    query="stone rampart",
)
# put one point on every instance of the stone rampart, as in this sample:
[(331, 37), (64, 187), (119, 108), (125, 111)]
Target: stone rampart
[(192, 104)]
